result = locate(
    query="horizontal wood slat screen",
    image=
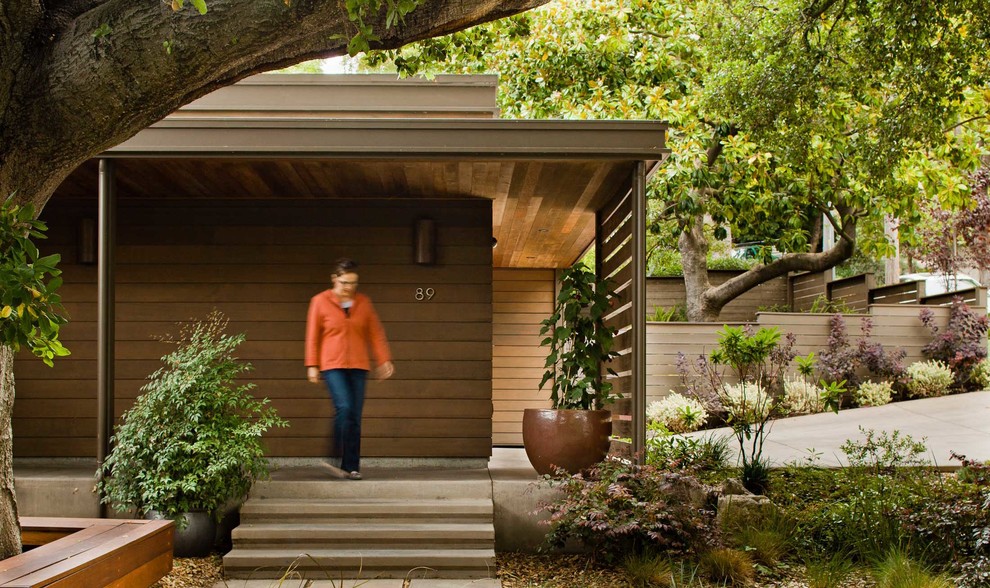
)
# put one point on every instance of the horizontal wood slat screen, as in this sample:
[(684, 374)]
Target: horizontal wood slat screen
[(523, 299), (614, 239), (259, 262), (894, 326)]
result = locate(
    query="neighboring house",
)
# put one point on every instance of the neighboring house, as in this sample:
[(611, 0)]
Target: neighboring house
[(242, 201)]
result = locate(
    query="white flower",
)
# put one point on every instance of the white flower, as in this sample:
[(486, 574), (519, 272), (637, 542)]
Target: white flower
[(746, 402), (678, 413), (873, 394), (802, 397), (928, 378)]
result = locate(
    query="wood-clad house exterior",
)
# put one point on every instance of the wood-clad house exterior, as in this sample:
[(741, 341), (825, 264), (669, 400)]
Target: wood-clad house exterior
[(243, 200)]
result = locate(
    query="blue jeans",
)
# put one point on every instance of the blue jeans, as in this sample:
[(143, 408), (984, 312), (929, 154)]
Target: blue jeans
[(346, 388)]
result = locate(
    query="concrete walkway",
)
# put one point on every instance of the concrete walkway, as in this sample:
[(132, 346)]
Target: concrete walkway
[(960, 423)]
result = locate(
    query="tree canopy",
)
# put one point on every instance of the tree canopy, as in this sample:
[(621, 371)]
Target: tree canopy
[(781, 113)]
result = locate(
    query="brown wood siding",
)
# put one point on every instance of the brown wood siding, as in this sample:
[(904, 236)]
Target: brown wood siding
[(894, 326), (260, 262), (522, 299), (853, 291), (669, 292)]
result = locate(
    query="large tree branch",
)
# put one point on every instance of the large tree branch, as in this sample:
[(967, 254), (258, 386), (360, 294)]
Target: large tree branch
[(153, 60), (715, 298)]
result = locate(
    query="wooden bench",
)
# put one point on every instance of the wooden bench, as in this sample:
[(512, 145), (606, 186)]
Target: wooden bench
[(89, 553)]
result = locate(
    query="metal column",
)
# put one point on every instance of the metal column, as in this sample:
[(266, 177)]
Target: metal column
[(639, 312), (105, 312)]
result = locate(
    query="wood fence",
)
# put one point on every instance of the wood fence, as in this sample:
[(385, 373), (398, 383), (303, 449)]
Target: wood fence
[(860, 291), (894, 326)]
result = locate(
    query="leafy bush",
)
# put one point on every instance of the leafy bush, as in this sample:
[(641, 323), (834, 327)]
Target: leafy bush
[(954, 525), (618, 508), (928, 378), (699, 455), (674, 314), (841, 362), (677, 413), (873, 394), (802, 397), (192, 440), (580, 342), (856, 510), (962, 345), (981, 374)]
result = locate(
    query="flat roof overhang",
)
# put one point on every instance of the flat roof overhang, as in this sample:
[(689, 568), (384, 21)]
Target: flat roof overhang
[(545, 178), (405, 138)]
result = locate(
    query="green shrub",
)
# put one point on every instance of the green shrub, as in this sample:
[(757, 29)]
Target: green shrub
[(873, 394), (767, 546), (677, 413), (192, 440), (674, 314), (928, 378), (704, 455), (730, 567)]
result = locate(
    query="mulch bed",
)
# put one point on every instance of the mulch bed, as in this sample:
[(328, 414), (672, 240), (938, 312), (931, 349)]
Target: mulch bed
[(516, 570)]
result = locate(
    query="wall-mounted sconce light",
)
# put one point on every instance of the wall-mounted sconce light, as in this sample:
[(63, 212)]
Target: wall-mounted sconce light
[(86, 252), (425, 241), (494, 242)]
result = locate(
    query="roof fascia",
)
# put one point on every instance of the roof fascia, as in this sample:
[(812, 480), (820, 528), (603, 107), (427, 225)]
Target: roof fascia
[(228, 137)]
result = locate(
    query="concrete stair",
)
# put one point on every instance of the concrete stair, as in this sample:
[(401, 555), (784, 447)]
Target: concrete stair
[(392, 524)]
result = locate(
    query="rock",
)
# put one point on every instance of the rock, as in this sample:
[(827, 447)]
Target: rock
[(685, 490), (733, 486), (739, 509)]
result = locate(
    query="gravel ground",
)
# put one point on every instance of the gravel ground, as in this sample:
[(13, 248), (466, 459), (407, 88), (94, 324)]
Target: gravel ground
[(515, 571)]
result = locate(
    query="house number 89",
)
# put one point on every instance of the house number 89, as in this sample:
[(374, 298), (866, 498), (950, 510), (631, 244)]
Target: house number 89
[(425, 294)]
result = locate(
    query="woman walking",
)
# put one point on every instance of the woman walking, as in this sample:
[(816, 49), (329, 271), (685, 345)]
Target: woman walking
[(341, 328)]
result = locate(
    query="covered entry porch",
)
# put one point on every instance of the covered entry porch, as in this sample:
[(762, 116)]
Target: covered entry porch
[(241, 202)]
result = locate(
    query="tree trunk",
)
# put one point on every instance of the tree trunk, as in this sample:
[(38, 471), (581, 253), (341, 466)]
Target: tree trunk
[(10, 530), (693, 246)]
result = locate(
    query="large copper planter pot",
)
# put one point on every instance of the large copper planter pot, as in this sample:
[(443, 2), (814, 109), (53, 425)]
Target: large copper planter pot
[(573, 440)]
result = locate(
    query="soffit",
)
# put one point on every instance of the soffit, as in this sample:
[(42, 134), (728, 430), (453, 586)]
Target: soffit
[(543, 210)]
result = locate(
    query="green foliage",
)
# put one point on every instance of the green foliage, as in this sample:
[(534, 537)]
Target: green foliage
[(31, 311), (192, 440), (743, 352), (674, 314), (779, 111), (822, 305), (580, 342), (856, 510), (898, 570), (617, 509), (705, 456)]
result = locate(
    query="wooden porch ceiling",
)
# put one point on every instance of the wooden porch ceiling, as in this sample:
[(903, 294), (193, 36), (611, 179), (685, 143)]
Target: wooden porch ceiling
[(546, 178), (543, 211)]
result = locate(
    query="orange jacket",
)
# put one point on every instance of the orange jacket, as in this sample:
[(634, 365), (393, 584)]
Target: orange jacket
[(336, 340)]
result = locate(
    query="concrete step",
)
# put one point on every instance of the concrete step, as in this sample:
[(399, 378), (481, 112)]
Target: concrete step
[(473, 486), (469, 510), (365, 535), (359, 563)]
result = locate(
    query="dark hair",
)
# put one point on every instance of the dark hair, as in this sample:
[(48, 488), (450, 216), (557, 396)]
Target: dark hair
[(343, 266)]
